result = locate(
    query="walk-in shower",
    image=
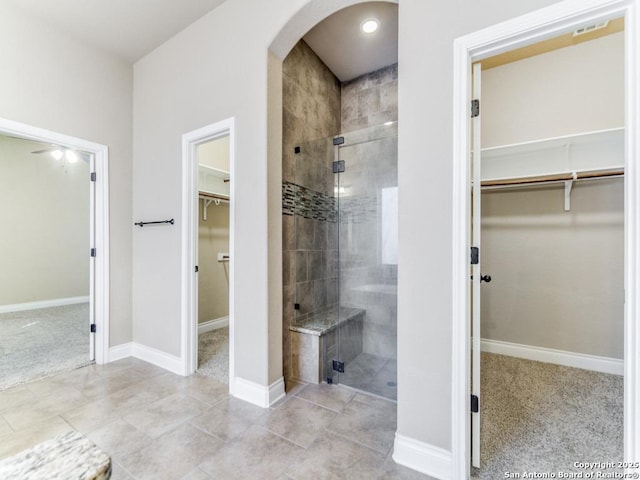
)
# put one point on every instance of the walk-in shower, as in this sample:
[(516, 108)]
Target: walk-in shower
[(344, 260)]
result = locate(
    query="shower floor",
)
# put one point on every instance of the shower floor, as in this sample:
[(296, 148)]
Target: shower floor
[(372, 374)]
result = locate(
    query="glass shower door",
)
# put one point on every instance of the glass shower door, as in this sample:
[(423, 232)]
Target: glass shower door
[(367, 195)]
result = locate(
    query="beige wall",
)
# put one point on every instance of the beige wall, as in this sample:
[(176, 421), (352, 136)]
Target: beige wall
[(557, 277), (215, 153), (571, 90), (45, 213), (51, 81), (213, 276)]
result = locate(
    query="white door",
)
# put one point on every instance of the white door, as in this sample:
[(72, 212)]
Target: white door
[(475, 270)]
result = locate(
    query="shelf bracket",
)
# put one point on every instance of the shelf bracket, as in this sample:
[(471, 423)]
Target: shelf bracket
[(568, 185), (206, 202)]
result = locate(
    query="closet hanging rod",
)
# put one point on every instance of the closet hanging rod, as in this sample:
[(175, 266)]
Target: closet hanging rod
[(558, 177), (214, 196)]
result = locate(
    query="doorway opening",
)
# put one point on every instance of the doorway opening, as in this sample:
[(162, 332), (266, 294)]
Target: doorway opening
[(549, 228), (213, 258), (54, 308), (339, 207), (586, 147), (208, 249)]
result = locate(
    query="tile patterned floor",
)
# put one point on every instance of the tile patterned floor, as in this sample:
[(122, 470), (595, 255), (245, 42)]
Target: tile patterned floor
[(156, 425)]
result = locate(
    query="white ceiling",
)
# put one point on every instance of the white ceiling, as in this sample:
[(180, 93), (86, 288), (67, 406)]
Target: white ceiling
[(349, 52), (132, 28), (127, 28)]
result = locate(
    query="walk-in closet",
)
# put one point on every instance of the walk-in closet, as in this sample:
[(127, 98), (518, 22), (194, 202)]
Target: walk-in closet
[(213, 258), (552, 254)]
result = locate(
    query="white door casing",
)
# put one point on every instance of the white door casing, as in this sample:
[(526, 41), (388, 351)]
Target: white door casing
[(476, 196), (189, 281), (518, 32), (99, 225)]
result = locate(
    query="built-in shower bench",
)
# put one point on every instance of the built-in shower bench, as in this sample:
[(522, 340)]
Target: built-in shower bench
[(314, 342)]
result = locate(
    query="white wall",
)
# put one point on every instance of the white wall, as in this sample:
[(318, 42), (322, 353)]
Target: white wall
[(425, 95), (45, 214), (51, 81), (217, 68), (557, 276)]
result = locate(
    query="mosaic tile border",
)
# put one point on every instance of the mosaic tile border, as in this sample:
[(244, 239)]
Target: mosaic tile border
[(307, 203), (304, 202)]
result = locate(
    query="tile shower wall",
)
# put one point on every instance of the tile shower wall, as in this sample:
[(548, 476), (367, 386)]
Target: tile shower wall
[(370, 100), (311, 117)]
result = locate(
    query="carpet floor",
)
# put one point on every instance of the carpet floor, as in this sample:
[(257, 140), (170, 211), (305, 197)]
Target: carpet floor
[(540, 417), (213, 354), (39, 343)]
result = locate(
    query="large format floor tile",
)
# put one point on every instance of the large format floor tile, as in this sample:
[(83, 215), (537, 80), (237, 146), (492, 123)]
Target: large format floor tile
[(156, 425)]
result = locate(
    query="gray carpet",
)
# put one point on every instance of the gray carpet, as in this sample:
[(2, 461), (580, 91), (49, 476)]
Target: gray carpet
[(539, 417), (43, 342), (213, 354)]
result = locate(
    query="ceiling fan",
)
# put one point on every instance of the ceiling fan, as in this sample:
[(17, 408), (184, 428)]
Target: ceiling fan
[(70, 155)]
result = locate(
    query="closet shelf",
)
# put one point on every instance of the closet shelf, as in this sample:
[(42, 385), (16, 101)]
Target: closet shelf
[(213, 187), (566, 159), (577, 139)]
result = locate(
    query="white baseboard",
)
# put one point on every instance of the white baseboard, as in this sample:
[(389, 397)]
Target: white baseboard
[(159, 358), (422, 457), (548, 355), (276, 391), (120, 351), (260, 395), (54, 302), (214, 324), (156, 357)]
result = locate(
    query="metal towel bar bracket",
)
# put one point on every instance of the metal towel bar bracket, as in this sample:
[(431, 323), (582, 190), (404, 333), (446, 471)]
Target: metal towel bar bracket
[(142, 224)]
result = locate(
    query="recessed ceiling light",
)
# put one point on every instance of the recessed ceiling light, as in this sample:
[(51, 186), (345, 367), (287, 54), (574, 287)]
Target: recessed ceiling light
[(370, 25), (57, 154)]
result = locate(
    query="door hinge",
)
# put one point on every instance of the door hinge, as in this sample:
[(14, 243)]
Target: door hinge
[(475, 404), (475, 255), (92, 252), (338, 167), (196, 269), (338, 366), (338, 140), (93, 328), (475, 108), (93, 176)]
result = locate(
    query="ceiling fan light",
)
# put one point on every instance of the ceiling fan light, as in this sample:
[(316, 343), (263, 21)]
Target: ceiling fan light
[(71, 156), (57, 154)]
